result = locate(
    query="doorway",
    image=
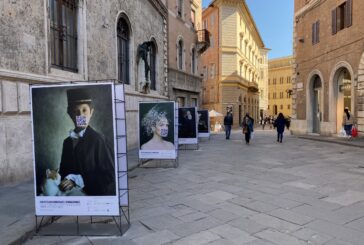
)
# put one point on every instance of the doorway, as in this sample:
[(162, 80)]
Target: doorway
[(344, 95), (316, 105)]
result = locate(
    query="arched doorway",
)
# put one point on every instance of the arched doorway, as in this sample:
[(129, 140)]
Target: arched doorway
[(343, 92), (316, 104)]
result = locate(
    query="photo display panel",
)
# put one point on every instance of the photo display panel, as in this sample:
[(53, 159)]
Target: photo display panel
[(203, 124), (75, 149), (187, 125), (157, 130)]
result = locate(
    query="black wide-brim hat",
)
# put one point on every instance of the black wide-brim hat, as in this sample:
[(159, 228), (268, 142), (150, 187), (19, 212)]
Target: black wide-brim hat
[(78, 96)]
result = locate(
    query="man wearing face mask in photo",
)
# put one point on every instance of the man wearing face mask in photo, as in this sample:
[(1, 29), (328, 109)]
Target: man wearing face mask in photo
[(87, 161), (187, 126)]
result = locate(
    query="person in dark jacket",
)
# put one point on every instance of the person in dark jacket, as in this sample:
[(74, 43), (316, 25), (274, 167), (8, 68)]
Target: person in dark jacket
[(228, 121), (87, 161), (280, 123), (248, 127)]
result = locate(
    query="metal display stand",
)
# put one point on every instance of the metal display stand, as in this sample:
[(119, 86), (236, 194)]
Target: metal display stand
[(98, 225), (186, 148)]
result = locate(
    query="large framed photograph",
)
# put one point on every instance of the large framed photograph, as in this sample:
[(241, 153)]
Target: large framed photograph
[(157, 130), (187, 125), (203, 123), (74, 147)]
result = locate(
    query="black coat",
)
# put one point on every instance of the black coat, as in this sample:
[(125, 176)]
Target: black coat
[(93, 160), (228, 119)]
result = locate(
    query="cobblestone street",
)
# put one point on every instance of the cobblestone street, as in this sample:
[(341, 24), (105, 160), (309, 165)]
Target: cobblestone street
[(297, 192)]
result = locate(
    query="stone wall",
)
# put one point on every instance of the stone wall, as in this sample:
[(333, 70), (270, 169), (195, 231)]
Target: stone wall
[(25, 59)]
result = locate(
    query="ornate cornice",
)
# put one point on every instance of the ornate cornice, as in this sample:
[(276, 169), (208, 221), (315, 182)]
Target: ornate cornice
[(158, 5)]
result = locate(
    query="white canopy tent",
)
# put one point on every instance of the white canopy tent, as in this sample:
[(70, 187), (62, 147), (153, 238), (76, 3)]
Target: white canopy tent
[(214, 113)]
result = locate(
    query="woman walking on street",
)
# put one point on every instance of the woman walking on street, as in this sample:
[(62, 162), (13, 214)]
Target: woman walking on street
[(348, 121), (248, 125), (280, 123)]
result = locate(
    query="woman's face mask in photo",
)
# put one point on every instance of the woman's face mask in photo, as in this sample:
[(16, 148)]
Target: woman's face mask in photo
[(81, 115), (161, 128), (189, 116)]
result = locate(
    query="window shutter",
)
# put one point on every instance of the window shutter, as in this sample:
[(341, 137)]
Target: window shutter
[(348, 13), (333, 24), (313, 33), (317, 31)]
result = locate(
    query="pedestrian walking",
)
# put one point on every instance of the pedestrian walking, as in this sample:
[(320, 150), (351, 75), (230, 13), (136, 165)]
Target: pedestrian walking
[(280, 123), (228, 121), (348, 121), (248, 127)]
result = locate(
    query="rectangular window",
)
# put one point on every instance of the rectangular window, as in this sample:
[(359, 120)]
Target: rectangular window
[(193, 18), (341, 17), (281, 80), (63, 32), (288, 107), (316, 32), (205, 73), (193, 102), (281, 107), (268, 81), (212, 71), (205, 24), (288, 79), (274, 81)]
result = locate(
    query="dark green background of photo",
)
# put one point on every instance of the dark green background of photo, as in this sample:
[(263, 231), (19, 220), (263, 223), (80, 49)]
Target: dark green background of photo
[(51, 123), (144, 108)]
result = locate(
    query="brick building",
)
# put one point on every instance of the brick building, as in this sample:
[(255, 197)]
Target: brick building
[(235, 66), (280, 86), (184, 49), (329, 64), (91, 40)]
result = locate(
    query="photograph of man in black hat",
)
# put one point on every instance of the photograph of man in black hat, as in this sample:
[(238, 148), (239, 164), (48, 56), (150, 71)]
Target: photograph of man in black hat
[(87, 161)]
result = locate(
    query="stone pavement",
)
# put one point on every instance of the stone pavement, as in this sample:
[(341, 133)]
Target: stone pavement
[(298, 192)]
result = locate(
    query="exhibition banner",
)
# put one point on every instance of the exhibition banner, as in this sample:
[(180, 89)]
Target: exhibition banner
[(203, 123), (74, 149), (187, 125), (157, 130)]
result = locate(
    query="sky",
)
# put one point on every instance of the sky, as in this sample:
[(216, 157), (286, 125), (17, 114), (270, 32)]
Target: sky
[(274, 20)]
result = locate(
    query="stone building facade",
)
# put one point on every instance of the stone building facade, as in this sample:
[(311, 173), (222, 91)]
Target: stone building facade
[(235, 65), (184, 49), (280, 86), (329, 65), (98, 40)]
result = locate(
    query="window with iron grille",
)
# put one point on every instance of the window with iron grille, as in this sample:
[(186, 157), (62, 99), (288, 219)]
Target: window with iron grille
[(63, 34), (123, 50)]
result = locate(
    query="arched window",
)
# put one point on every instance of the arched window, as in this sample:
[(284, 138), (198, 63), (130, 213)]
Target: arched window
[(180, 54), (123, 40), (193, 61), (153, 61)]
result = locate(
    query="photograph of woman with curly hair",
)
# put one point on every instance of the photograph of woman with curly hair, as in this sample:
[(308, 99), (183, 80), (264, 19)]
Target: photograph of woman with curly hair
[(156, 126)]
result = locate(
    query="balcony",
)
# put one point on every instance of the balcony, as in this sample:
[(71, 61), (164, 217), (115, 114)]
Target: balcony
[(203, 40), (183, 81), (253, 87)]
